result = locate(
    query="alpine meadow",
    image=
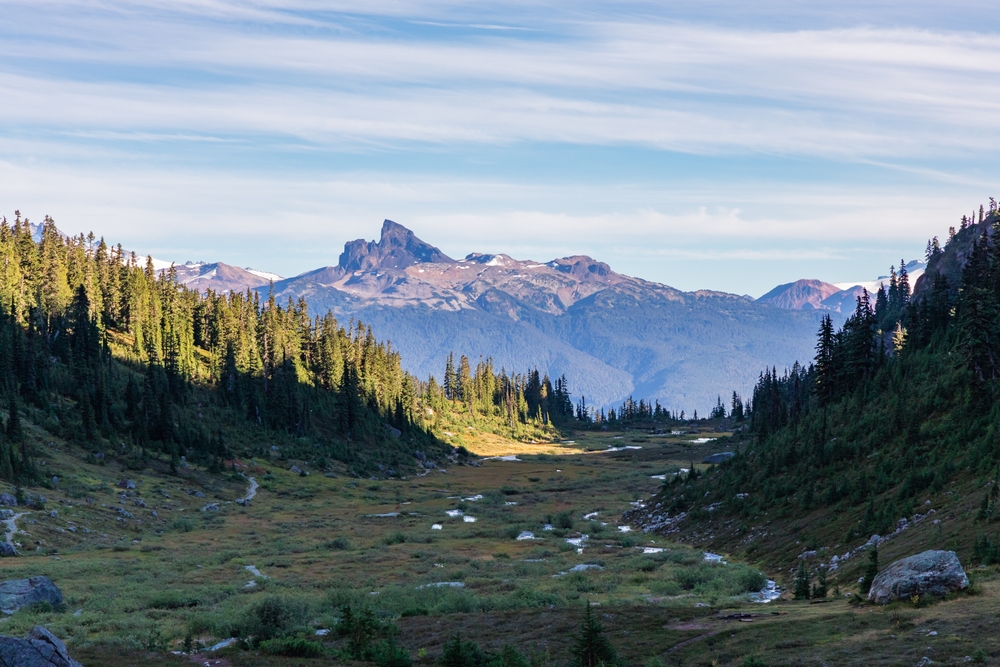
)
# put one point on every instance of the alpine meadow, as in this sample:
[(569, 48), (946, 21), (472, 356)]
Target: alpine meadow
[(678, 344)]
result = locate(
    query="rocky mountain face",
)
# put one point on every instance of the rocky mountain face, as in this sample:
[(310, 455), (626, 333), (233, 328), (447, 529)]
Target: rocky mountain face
[(612, 335)]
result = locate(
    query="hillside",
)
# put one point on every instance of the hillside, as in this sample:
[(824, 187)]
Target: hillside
[(611, 335), (891, 432)]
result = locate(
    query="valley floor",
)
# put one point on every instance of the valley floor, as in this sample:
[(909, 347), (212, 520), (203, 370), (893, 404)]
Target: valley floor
[(508, 551)]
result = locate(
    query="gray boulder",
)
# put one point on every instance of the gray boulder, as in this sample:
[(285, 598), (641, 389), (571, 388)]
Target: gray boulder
[(18, 593), (8, 500), (39, 648), (929, 573), (718, 458), (7, 549)]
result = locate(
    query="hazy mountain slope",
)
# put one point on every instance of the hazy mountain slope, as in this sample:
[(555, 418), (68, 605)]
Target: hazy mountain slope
[(800, 295), (219, 277), (611, 335)]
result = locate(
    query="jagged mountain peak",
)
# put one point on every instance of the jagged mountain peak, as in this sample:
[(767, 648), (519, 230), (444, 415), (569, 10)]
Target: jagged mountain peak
[(397, 248)]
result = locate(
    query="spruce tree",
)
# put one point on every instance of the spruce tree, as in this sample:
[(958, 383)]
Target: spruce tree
[(802, 577), (593, 649), (871, 570), (819, 590)]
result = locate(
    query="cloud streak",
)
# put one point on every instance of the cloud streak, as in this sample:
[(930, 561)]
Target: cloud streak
[(151, 118)]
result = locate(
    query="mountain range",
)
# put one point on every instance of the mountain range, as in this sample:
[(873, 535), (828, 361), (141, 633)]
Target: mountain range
[(612, 335)]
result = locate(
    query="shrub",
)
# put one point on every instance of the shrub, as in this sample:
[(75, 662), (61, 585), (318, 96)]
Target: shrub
[(459, 653), (183, 525), (273, 617), (171, 600), (387, 653), (293, 647), (340, 543), (564, 521)]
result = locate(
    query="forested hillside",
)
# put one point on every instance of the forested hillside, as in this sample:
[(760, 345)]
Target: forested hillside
[(898, 412), (96, 348)]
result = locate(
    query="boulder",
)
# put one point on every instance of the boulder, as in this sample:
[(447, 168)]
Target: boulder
[(125, 484), (8, 500), (18, 593), (929, 573), (718, 458), (39, 648), (7, 549)]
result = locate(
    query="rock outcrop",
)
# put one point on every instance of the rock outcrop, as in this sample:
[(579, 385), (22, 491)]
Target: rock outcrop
[(929, 573), (39, 648), (18, 593), (397, 249)]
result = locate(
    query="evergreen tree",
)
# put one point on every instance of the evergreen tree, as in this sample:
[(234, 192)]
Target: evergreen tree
[(871, 570), (819, 590), (593, 648), (802, 580)]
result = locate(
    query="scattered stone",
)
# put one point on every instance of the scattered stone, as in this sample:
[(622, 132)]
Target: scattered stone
[(438, 584), (126, 484), (211, 507), (526, 535), (17, 593), (718, 458), (55, 480), (296, 470), (322, 632), (929, 573), (583, 567), (54, 514), (39, 648)]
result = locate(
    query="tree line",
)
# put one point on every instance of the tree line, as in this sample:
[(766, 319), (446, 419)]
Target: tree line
[(101, 347)]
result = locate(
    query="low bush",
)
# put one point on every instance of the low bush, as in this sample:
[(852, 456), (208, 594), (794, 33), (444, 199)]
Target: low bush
[(292, 647)]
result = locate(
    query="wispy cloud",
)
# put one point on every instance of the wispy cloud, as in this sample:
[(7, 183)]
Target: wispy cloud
[(244, 113)]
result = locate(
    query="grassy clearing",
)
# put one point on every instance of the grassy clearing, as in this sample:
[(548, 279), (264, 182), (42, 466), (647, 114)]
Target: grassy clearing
[(142, 584)]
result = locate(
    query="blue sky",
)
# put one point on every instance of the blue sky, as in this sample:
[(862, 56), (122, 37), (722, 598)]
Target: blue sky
[(699, 144)]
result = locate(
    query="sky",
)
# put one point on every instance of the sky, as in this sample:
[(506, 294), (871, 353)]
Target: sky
[(705, 145)]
